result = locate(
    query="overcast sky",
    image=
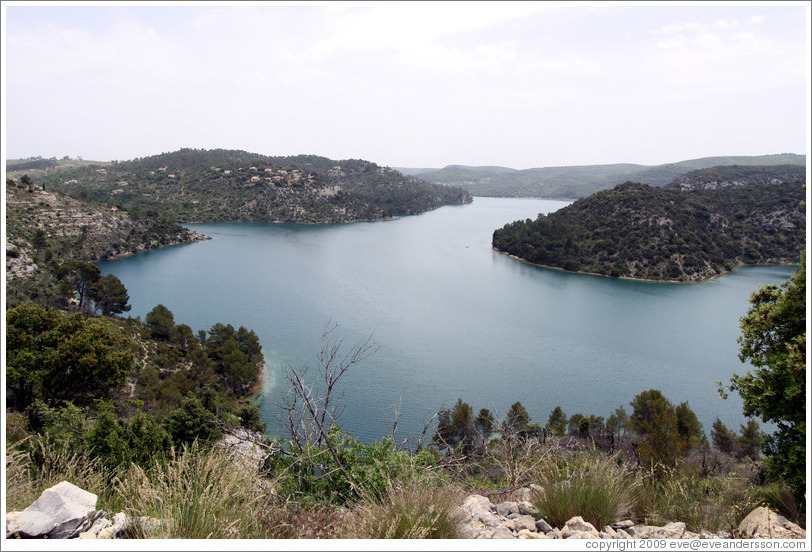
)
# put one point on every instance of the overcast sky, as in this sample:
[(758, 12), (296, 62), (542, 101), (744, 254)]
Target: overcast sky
[(413, 84)]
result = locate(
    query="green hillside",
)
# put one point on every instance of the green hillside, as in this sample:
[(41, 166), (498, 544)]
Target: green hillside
[(193, 185), (639, 231)]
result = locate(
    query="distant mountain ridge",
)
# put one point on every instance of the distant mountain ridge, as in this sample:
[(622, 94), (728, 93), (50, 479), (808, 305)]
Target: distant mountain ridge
[(197, 185), (572, 182)]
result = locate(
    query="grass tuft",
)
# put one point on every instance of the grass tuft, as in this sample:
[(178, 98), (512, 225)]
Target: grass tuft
[(411, 511), (597, 488)]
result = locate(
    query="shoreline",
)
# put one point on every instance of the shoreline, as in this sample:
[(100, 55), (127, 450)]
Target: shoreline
[(197, 238), (629, 278)]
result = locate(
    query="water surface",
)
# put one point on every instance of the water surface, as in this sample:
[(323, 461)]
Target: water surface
[(451, 317)]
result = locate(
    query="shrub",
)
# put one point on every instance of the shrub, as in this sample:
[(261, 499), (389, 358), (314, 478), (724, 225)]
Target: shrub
[(599, 489), (411, 511)]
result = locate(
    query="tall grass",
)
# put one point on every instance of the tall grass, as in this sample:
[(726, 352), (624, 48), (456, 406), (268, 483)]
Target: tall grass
[(596, 487), (412, 510), (201, 493), (703, 504), (33, 466)]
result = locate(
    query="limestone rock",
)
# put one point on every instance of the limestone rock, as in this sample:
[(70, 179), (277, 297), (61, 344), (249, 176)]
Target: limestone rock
[(524, 522), (669, 531), (62, 511), (578, 525), (621, 534), (763, 523), (528, 509), (507, 508), (625, 524), (476, 505), (525, 534), (502, 532), (542, 526)]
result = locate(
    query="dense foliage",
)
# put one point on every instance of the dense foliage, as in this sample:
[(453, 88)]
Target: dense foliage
[(193, 185), (638, 231), (113, 389), (773, 340)]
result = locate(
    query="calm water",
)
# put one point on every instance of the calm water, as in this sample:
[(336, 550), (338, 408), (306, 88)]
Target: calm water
[(452, 318)]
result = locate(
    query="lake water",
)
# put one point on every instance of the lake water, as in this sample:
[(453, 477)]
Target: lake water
[(451, 317)]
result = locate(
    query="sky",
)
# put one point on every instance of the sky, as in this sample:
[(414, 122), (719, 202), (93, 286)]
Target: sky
[(409, 84)]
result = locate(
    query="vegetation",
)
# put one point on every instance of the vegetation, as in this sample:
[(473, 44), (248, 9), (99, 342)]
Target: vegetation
[(599, 488), (193, 185), (50, 235), (581, 181), (773, 340), (637, 231), (145, 414)]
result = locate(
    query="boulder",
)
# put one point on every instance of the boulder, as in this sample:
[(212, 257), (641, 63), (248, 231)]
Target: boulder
[(524, 522), (62, 511), (578, 525), (507, 508), (502, 532), (476, 505), (528, 509), (763, 523), (669, 531), (525, 534)]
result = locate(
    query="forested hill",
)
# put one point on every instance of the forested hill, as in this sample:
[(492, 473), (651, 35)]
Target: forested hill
[(639, 231), (579, 181), (192, 185)]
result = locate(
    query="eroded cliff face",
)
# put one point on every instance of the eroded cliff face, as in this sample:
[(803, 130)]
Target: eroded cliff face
[(45, 229)]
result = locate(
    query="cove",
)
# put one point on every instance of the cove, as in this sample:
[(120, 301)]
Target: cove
[(451, 317)]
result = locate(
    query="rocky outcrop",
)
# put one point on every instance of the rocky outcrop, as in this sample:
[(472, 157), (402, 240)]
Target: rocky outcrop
[(65, 511), (763, 523), (522, 520), (61, 512)]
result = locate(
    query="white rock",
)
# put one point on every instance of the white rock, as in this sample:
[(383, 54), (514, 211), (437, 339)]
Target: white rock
[(524, 522), (502, 532), (763, 523), (669, 531), (60, 512), (577, 524)]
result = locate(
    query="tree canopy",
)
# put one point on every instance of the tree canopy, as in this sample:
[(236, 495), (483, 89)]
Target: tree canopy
[(773, 340)]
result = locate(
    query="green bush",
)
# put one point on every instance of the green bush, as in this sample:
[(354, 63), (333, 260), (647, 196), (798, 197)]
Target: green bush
[(313, 476)]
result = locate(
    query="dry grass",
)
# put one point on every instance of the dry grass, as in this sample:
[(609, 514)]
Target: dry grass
[(593, 486), (198, 493), (34, 466), (410, 511)]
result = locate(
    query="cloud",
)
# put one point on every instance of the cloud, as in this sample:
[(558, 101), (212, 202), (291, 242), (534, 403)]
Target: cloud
[(391, 80)]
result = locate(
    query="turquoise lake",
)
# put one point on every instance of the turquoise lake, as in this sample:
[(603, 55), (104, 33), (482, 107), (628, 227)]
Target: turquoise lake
[(451, 317)]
